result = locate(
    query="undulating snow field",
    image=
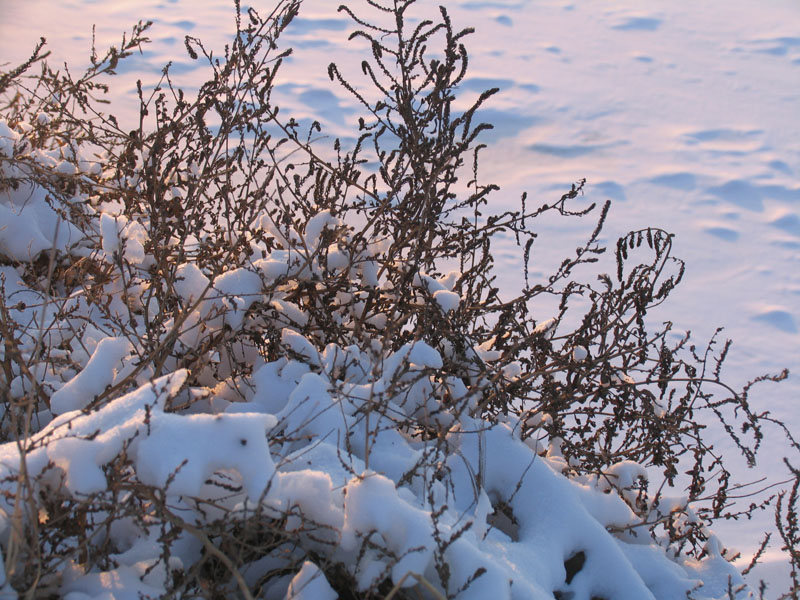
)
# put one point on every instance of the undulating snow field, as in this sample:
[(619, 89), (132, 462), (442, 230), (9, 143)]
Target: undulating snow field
[(685, 114)]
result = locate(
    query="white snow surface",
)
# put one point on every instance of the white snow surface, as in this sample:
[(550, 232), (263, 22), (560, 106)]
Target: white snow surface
[(310, 584), (683, 113), (98, 373)]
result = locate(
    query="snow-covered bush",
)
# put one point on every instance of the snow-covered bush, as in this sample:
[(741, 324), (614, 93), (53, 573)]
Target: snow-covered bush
[(239, 363)]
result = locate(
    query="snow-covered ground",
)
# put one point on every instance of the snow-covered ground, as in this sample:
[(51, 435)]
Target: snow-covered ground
[(685, 114)]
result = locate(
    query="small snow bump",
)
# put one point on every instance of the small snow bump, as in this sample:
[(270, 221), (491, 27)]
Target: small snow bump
[(638, 24), (177, 451), (676, 181), (789, 223), (310, 584), (448, 301), (579, 353), (298, 344), (99, 372), (66, 168), (423, 355), (741, 193), (780, 166), (724, 233), (546, 327), (317, 224), (779, 319), (190, 283)]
